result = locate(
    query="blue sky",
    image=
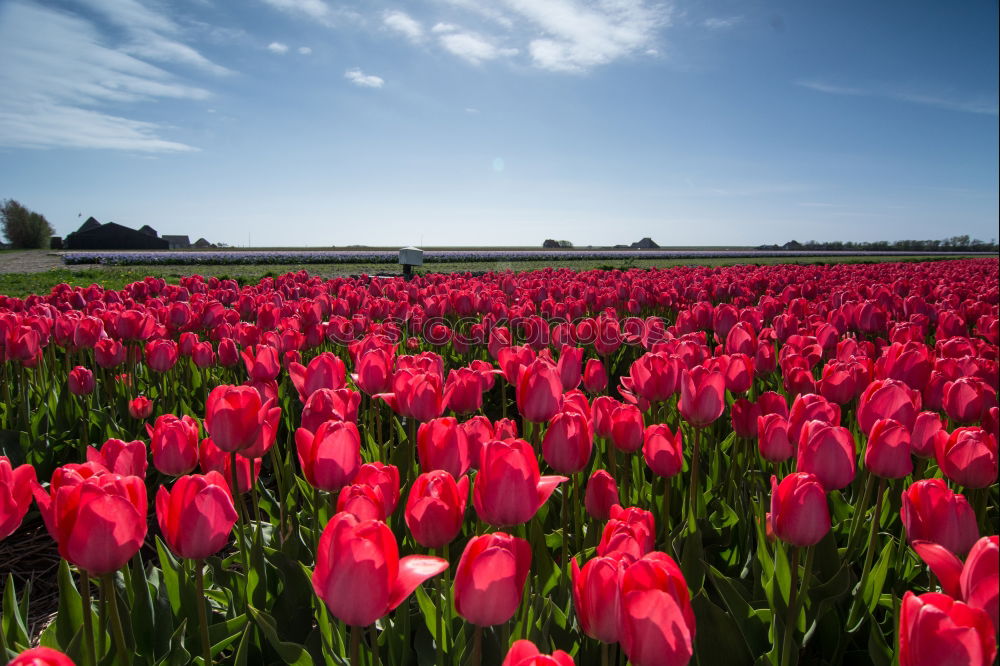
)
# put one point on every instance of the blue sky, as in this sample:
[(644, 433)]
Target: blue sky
[(455, 122)]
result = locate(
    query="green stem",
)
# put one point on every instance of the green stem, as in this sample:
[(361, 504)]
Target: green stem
[(665, 515), (115, 620), (476, 656), (858, 601), (565, 529), (199, 579), (373, 632), (88, 624), (439, 620), (790, 622), (240, 521), (356, 646), (695, 462), (859, 513)]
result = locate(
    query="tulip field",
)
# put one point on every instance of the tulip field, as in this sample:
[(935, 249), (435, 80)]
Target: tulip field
[(734, 465)]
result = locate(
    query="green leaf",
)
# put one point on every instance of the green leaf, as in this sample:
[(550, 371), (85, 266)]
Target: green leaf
[(291, 653), (142, 609), (752, 629), (876, 578), (12, 623), (178, 655), (717, 639), (692, 553)]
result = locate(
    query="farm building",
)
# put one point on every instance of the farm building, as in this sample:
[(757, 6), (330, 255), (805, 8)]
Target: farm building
[(92, 235)]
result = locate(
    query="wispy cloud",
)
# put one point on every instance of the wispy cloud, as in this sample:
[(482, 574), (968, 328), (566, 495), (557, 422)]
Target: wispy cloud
[(473, 47), (359, 78), (66, 85), (722, 23), (315, 9), (404, 24), (277, 47), (978, 105), (304, 50)]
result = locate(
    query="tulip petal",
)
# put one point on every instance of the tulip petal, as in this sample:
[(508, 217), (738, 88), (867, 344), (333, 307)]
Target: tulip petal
[(945, 566), (413, 570), (546, 486)]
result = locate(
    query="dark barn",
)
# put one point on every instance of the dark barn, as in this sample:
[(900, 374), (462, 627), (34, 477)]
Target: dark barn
[(112, 236)]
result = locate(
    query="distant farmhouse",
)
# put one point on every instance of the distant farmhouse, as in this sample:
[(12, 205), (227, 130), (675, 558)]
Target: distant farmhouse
[(92, 235)]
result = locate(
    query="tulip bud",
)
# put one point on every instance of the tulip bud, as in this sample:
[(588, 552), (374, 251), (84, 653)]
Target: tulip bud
[(568, 442), (627, 428), (508, 489), (140, 408), (41, 656), (927, 430), (703, 395), (663, 450), (212, 458), (81, 381), (932, 512), (504, 561), (968, 457), (161, 355), (596, 595), (828, 452), (887, 454), (799, 512), (631, 531), (601, 495), (441, 444), (658, 624), (525, 653), (773, 441), (539, 391), (331, 457), (595, 378), (118, 457), (197, 515), (174, 442), (436, 507)]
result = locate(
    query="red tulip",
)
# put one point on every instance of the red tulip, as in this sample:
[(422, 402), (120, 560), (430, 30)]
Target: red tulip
[(964, 398), (197, 515), (828, 452), (744, 417), (935, 629), (512, 360), (887, 399), (441, 444), (140, 408), (663, 450), (703, 395), (361, 501), (234, 416), (81, 381), (654, 376), (435, 508), (596, 595), (125, 458), (887, 454), (374, 371), (359, 574), (261, 362), (109, 353), (601, 495), (631, 531), (980, 579), (384, 479), (478, 430), (15, 495), (799, 513), (525, 653), (773, 403), (810, 407), (41, 656), (658, 623), (325, 371), (773, 440), (570, 366), (932, 512), (98, 522), (330, 405), (627, 428), (600, 413), (212, 458), (463, 391), (927, 430), (568, 442), (331, 457), (508, 489), (595, 378), (174, 442), (229, 355), (738, 373), (968, 457), (161, 355), (418, 395), (539, 391), (490, 577)]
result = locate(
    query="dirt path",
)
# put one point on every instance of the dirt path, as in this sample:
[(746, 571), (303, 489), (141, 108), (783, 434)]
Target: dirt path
[(33, 261)]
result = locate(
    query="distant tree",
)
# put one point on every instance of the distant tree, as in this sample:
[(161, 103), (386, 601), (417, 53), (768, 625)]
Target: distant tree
[(24, 229)]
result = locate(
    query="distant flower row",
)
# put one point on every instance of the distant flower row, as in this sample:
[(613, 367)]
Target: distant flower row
[(430, 256)]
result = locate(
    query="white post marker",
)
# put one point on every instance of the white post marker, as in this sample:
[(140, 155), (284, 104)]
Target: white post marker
[(410, 257)]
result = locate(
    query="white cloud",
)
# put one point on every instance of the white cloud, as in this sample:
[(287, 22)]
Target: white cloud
[(315, 9), (980, 105), (473, 47), (151, 35), (277, 47), (444, 27), (304, 50), (722, 23), (64, 84), (404, 24), (359, 78), (578, 36)]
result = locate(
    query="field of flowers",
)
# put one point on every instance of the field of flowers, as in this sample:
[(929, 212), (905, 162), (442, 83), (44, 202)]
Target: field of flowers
[(240, 257), (731, 465)]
